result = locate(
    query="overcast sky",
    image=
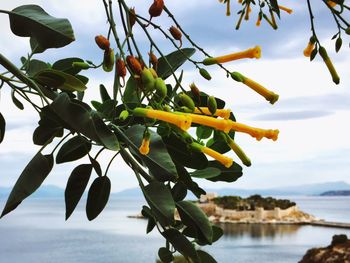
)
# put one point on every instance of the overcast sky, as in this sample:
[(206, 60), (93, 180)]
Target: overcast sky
[(312, 113)]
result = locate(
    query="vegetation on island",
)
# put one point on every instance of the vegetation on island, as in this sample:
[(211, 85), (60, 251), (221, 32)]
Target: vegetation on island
[(145, 115), (251, 203)]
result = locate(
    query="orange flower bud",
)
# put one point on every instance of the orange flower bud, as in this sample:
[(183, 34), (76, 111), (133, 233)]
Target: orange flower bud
[(121, 69), (153, 59), (102, 42), (176, 33), (132, 17), (156, 8), (134, 64)]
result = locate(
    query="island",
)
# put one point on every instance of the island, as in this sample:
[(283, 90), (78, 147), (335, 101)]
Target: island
[(336, 193), (254, 209)]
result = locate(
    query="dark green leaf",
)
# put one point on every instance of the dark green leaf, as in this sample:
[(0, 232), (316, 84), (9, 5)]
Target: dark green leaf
[(165, 255), (230, 174), (66, 65), (206, 173), (274, 5), (180, 152), (15, 101), (192, 215), (313, 53), (76, 185), (204, 132), (98, 197), (158, 160), (59, 80), (161, 202), (2, 127), (95, 164), (83, 79), (74, 149), (185, 177), (179, 191), (175, 59), (150, 225), (47, 31), (181, 244), (131, 94), (29, 181), (338, 44), (205, 257), (105, 135), (217, 233), (35, 66), (104, 93)]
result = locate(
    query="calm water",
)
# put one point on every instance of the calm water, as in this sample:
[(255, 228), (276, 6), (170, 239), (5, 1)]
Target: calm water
[(37, 232)]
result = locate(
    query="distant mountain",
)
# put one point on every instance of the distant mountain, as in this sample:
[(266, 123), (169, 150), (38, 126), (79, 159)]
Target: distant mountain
[(336, 193), (308, 189), (45, 191)]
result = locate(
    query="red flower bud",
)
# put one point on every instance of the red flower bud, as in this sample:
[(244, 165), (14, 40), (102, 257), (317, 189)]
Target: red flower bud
[(176, 33), (132, 17), (102, 42), (134, 64), (156, 8), (153, 59)]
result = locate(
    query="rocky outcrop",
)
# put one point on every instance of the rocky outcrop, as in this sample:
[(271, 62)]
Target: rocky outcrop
[(337, 252)]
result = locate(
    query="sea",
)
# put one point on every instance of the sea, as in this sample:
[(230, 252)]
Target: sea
[(37, 232)]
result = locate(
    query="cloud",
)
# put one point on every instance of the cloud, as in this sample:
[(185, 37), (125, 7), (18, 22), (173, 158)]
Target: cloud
[(286, 116)]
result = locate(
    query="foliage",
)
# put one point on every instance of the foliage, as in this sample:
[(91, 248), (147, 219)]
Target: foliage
[(142, 117), (251, 202)]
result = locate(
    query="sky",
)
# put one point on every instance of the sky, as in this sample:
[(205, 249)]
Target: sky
[(312, 113)]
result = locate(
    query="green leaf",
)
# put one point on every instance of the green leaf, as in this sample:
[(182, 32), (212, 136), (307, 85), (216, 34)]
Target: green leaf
[(165, 255), (205, 257), (181, 244), (15, 101), (76, 186), (175, 59), (98, 197), (50, 126), (2, 127), (206, 173), (74, 149), (150, 225), (35, 66), (161, 202), (185, 177), (204, 132), (217, 233), (230, 174), (47, 31), (59, 80), (131, 94), (179, 191), (96, 165), (81, 119), (104, 93), (158, 159), (274, 5), (181, 153), (192, 215), (29, 181), (66, 65)]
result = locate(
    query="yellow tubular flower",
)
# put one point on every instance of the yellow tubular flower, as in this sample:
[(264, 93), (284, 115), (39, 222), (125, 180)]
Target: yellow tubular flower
[(223, 113), (224, 160), (267, 94), (286, 9), (144, 148), (249, 9), (228, 8), (258, 22), (329, 64), (222, 125), (309, 48), (238, 150), (257, 133), (181, 121), (249, 53)]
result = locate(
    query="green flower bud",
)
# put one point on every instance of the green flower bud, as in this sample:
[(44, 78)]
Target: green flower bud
[(161, 89), (205, 74), (212, 105), (187, 101), (147, 80), (123, 115), (108, 60), (80, 65), (237, 76)]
